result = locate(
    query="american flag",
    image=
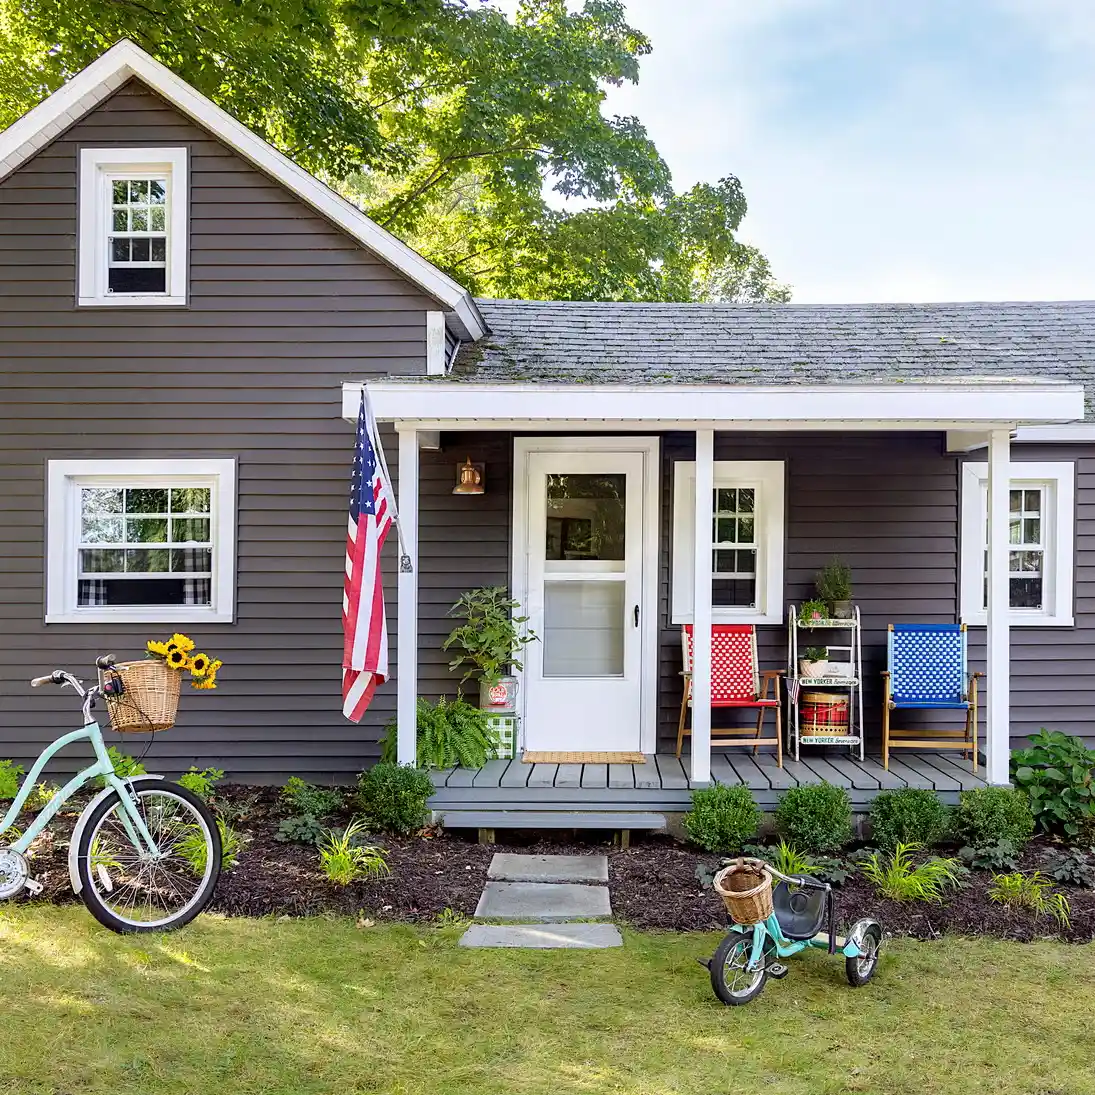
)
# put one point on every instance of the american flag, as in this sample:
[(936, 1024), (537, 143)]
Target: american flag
[(365, 653)]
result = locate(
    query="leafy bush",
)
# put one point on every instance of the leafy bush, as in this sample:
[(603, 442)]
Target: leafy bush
[(300, 829), (125, 766), (11, 778), (1030, 891), (344, 860), (306, 798), (816, 817), (1056, 774), (41, 794), (491, 636), (900, 878), (394, 796), (912, 815), (722, 818), (1074, 867), (201, 782), (1001, 855), (987, 815), (449, 734)]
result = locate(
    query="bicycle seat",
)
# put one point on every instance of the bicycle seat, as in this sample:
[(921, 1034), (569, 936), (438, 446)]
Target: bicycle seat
[(801, 913)]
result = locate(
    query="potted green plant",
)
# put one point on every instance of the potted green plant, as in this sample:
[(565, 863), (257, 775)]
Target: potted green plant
[(489, 640), (812, 611), (812, 663), (834, 587)]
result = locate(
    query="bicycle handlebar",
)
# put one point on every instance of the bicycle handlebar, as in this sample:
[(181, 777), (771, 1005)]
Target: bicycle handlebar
[(105, 661), (56, 677), (796, 880)]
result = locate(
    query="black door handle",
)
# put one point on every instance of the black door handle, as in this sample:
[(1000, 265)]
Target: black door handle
[(636, 615)]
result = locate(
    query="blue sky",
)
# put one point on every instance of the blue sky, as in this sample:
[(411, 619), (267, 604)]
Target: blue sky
[(923, 150)]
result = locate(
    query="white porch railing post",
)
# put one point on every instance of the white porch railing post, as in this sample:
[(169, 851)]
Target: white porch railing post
[(701, 609), (997, 631), (406, 677)]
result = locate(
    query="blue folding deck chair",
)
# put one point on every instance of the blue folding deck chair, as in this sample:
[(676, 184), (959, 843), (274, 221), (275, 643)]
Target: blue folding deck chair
[(928, 670)]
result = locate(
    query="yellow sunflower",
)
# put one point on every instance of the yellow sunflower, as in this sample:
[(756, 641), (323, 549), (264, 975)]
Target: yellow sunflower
[(154, 647), (177, 659), (182, 642), (208, 681), (199, 664)]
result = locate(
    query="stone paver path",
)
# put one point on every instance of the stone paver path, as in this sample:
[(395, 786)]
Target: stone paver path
[(553, 896)]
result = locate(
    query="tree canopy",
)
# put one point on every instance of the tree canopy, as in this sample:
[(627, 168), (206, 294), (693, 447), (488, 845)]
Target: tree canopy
[(478, 139)]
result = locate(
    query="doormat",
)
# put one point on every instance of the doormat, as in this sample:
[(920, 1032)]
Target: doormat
[(542, 757)]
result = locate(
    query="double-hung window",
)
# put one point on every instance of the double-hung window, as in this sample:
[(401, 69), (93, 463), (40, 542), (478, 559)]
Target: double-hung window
[(1040, 543), (747, 534), (133, 226), (136, 541)]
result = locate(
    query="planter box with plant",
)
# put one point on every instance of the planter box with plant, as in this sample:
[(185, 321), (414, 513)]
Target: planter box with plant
[(812, 663)]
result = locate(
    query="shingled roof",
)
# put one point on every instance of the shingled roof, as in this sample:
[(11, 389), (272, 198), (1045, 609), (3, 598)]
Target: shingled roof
[(609, 343)]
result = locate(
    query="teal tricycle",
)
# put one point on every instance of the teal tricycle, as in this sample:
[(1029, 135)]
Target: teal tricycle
[(769, 924)]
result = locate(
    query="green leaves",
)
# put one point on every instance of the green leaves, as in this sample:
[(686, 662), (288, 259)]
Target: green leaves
[(1056, 774), (491, 637)]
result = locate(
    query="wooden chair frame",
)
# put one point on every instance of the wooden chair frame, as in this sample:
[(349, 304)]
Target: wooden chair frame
[(964, 739), (763, 682)]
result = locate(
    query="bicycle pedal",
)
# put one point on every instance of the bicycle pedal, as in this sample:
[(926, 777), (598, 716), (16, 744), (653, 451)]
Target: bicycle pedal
[(778, 970), (33, 887)]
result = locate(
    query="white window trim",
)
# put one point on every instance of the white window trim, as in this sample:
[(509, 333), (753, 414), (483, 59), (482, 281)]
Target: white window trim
[(97, 167), (1059, 532), (768, 478), (63, 530)]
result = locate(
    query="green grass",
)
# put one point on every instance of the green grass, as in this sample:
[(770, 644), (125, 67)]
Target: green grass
[(303, 1007)]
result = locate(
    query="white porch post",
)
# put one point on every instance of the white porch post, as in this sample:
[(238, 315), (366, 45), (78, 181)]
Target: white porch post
[(407, 635), (997, 632), (701, 609)]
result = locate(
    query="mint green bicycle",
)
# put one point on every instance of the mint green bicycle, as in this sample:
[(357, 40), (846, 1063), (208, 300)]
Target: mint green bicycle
[(145, 854)]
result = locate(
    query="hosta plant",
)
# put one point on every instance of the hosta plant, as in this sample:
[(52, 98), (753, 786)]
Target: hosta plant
[(1057, 776)]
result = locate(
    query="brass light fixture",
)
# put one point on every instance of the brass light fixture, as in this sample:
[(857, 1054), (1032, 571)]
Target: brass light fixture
[(469, 478)]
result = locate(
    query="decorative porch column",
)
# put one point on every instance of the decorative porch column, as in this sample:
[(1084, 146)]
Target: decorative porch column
[(701, 609), (997, 631), (406, 674)]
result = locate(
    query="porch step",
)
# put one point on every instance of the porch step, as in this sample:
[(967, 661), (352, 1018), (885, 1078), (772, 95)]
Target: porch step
[(543, 936), (545, 902), (509, 867), (548, 819)]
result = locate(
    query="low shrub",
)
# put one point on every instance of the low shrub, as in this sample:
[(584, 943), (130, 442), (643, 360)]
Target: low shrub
[(1031, 891), (201, 782), (125, 766), (911, 815), (899, 877), (722, 818), (11, 779), (450, 734), (1056, 774), (41, 795), (394, 796), (308, 799), (345, 860), (816, 818), (300, 829), (987, 815)]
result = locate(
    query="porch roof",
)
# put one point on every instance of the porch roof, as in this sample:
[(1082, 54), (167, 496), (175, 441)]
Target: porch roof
[(779, 344)]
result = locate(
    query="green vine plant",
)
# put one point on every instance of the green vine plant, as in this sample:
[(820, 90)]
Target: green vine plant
[(491, 637)]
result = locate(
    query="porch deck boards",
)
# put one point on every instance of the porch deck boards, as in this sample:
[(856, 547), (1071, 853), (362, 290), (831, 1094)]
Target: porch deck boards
[(663, 783)]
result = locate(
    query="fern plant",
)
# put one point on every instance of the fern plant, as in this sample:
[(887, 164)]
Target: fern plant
[(899, 877), (1031, 891), (450, 734)]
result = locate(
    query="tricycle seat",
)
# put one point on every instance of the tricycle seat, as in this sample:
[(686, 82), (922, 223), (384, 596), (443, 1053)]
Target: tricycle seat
[(800, 912)]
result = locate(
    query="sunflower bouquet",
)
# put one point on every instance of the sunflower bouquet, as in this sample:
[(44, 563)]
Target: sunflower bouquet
[(178, 653)]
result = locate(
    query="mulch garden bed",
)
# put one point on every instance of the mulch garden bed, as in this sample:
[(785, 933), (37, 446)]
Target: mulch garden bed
[(654, 883)]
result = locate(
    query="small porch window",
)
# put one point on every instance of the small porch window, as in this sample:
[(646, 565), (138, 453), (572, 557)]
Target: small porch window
[(747, 541), (1040, 539)]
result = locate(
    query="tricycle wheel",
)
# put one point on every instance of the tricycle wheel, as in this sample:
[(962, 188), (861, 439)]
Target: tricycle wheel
[(868, 935), (733, 982)]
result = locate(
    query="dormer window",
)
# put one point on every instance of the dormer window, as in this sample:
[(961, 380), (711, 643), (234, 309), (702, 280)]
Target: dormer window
[(133, 226)]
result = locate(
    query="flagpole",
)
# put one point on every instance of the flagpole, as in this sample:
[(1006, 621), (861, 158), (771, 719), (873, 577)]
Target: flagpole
[(378, 448)]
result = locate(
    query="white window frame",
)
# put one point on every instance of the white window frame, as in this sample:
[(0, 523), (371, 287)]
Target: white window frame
[(99, 167), (767, 477), (63, 482), (1058, 483)]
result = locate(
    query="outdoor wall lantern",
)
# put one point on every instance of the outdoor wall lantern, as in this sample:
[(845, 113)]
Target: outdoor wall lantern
[(470, 478)]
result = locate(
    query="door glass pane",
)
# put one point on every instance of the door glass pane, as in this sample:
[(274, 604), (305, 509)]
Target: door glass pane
[(586, 517), (583, 629)]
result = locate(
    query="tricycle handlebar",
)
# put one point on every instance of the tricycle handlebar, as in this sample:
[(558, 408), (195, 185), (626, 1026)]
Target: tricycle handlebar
[(795, 880)]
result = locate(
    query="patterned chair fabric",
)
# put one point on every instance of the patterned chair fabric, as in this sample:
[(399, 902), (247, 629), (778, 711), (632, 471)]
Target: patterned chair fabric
[(735, 677), (927, 664)]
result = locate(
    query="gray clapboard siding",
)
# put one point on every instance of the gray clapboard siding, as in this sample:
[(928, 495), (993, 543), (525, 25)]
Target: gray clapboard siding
[(283, 308)]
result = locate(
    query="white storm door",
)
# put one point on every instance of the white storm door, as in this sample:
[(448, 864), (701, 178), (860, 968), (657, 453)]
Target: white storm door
[(584, 599)]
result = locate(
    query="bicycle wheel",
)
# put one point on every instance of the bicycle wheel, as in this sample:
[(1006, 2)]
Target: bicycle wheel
[(127, 889), (733, 982), (860, 970)]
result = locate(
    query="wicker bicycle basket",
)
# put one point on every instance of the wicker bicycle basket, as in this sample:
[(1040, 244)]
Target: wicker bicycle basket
[(150, 699), (746, 890)]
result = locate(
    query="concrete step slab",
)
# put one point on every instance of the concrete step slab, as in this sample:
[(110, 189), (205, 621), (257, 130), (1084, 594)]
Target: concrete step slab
[(507, 867), (543, 936), (545, 902)]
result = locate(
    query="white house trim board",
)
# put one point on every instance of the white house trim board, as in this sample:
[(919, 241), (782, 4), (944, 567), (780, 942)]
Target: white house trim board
[(88, 88), (701, 600), (998, 631), (1082, 433), (406, 668), (650, 447), (821, 407)]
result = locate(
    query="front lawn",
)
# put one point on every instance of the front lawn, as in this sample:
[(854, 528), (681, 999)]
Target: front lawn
[(243, 1007)]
